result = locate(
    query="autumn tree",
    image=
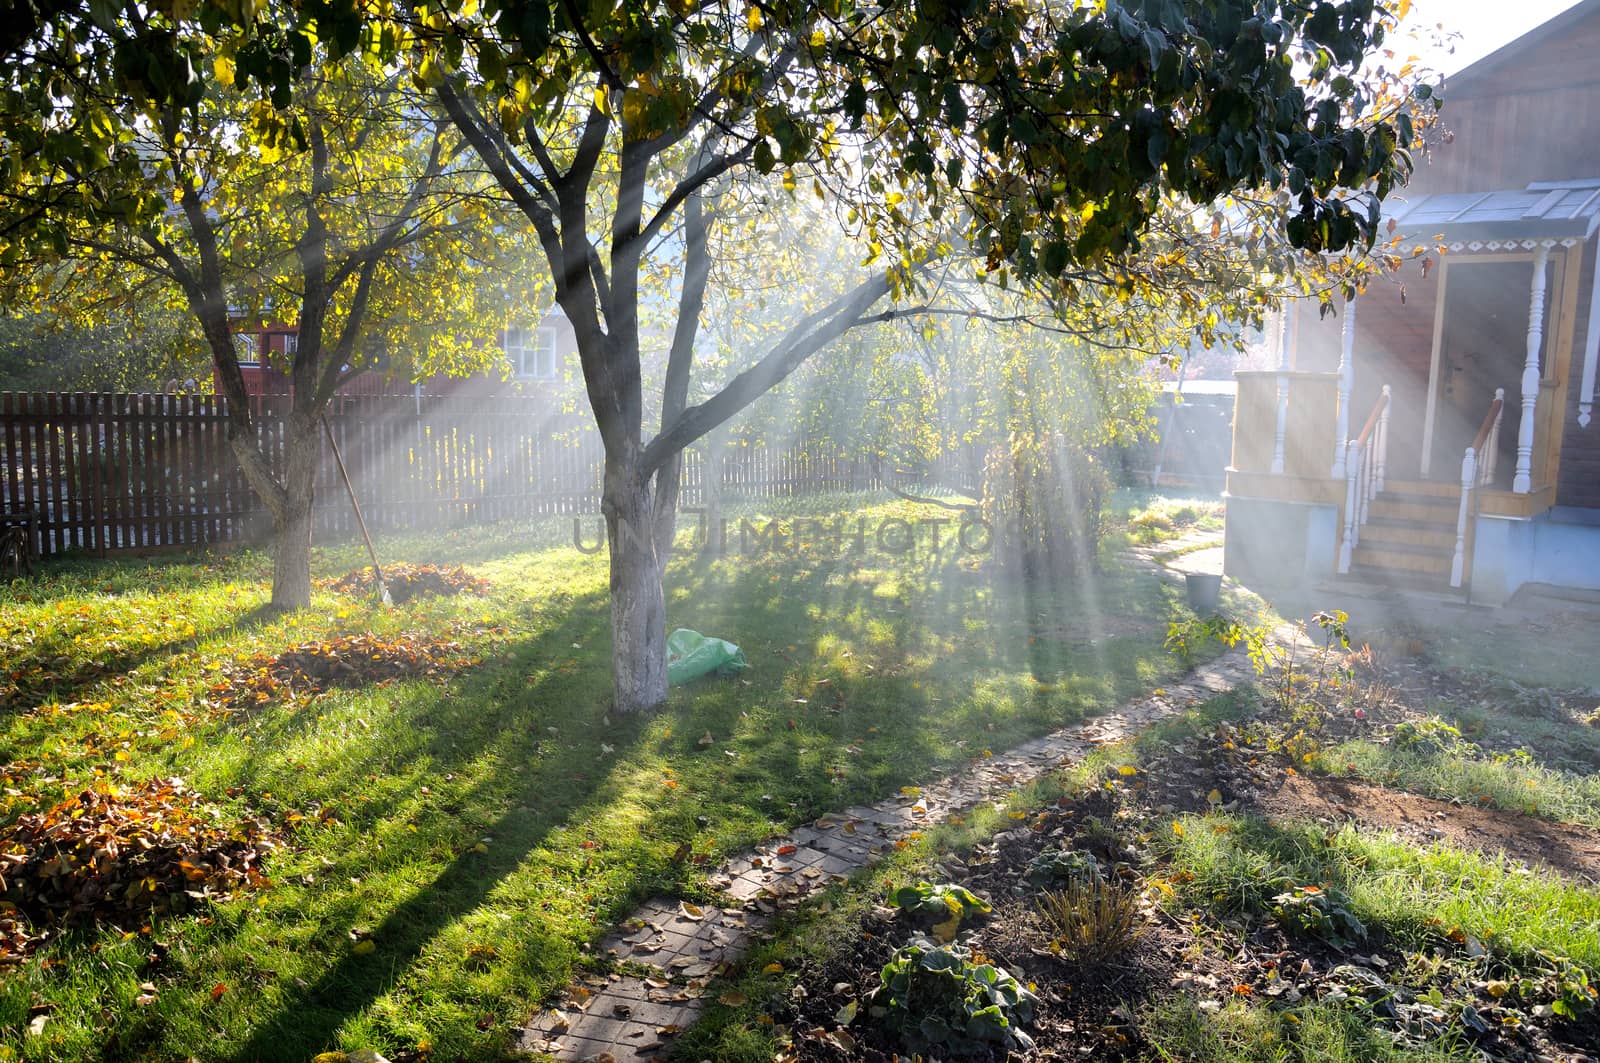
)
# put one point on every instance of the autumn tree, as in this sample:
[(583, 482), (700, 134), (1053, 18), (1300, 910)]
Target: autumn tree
[(1032, 137), (344, 213)]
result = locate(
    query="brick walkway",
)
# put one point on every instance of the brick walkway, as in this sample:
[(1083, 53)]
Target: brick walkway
[(668, 950)]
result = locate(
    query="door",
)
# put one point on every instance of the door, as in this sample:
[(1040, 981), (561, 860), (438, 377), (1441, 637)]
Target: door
[(1483, 347)]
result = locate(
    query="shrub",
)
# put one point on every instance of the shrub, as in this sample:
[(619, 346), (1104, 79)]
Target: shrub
[(1044, 496), (942, 1001), (1092, 920), (1432, 735)]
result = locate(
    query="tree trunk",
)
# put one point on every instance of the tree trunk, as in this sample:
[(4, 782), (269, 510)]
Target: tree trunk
[(638, 603), (716, 444), (291, 567), (291, 562)]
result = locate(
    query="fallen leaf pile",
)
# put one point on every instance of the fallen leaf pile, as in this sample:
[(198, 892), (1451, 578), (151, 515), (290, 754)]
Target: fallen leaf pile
[(344, 661), (114, 852), (411, 581)]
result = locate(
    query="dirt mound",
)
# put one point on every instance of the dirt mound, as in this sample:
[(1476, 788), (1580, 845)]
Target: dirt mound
[(1565, 847)]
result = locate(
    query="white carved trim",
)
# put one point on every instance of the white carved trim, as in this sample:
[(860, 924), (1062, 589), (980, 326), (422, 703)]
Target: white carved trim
[(1459, 246)]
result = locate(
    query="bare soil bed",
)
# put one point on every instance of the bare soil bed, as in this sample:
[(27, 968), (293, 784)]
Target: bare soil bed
[(1091, 1011)]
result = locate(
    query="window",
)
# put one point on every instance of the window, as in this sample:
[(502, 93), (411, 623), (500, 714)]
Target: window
[(247, 348), (532, 352)]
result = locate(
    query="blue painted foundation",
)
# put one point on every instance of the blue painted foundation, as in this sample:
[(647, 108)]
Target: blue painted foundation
[(1560, 548)]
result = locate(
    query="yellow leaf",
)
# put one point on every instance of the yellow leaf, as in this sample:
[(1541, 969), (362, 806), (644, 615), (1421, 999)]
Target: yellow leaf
[(1127, 769), (772, 968), (946, 932), (1177, 829), (732, 999), (222, 66), (364, 946), (752, 18), (1497, 989), (1215, 797)]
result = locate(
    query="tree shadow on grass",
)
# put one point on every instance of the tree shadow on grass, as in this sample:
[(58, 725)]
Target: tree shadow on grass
[(790, 725), (488, 712)]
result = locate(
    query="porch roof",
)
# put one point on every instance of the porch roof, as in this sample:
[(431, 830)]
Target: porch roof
[(1545, 210)]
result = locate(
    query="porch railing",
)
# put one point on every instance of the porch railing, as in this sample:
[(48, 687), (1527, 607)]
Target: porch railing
[(1366, 459), (1477, 470)]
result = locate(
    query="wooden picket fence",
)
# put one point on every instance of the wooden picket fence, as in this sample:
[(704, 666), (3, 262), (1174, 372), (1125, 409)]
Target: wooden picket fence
[(104, 473)]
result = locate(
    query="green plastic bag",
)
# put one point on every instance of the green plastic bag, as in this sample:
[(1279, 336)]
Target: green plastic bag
[(691, 655)]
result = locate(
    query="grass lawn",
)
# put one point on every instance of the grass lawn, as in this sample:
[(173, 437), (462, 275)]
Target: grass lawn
[(451, 847), (1145, 516)]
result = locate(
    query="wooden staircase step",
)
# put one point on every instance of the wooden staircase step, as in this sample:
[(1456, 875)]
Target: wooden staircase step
[(1430, 510), (1400, 558), (1420, 488), (1431, 536)]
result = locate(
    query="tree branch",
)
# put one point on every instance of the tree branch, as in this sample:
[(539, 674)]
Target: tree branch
[(809, 336)]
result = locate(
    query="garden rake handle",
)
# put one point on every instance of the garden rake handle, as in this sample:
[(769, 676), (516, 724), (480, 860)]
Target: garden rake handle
[(361, 522)]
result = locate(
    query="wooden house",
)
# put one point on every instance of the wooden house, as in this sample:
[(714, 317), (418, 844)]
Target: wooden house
[(536, 359), (1440, 428)]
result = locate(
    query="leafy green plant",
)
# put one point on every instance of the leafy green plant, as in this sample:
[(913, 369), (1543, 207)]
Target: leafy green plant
[(1312, 911), (1431, 735), (943, 1000), (1092, 919), (1062, 865), (1300, 686), (1572, 997), (938, 902), (943, 907)]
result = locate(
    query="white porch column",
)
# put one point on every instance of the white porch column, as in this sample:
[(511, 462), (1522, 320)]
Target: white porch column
[(1522, 483), (1281, 431), (1380, 467), (1347, 378), (1469, 479), (1591, 355)]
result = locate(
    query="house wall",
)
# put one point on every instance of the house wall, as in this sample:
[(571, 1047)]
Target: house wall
[(1394, 343), (1531, 116)]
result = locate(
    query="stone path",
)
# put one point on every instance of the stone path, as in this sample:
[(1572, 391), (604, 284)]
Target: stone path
[(1196, 550), (669, 950)]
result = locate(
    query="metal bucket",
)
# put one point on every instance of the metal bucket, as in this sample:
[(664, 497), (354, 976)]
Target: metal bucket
[(1204, 590)]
